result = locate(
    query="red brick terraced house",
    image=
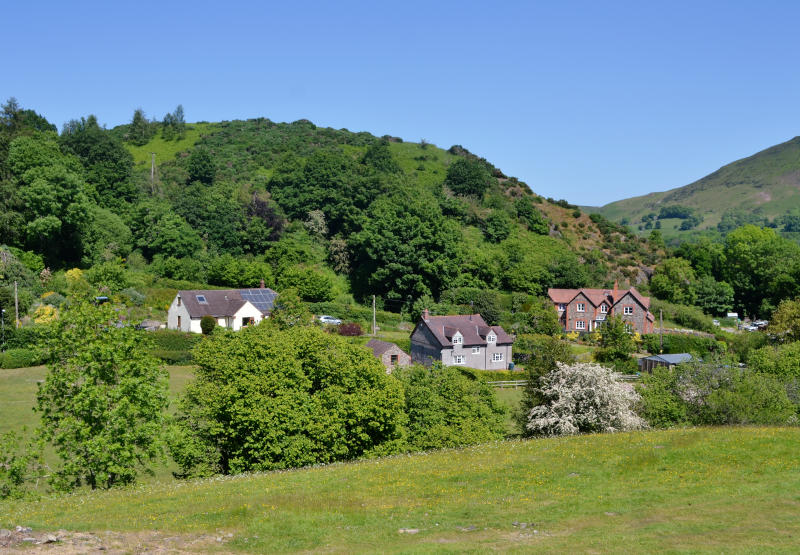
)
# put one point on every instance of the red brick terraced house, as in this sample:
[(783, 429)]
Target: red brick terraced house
[(584, 310)]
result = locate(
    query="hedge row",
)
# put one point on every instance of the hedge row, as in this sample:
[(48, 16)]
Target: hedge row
[(683, 343), (20, 358)]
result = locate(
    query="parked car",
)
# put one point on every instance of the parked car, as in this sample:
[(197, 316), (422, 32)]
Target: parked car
[(325, 319), (715, 322)]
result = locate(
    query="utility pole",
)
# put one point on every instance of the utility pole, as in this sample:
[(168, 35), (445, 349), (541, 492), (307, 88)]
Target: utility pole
[(661, 331), (373, 315), (153, 172), (16, 306)]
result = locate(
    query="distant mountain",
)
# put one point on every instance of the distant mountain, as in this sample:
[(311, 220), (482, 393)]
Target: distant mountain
[(764, 186)]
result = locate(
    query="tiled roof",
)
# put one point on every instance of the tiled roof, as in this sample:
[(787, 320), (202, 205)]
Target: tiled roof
[(226, 302), (597, 296), (472, 327)]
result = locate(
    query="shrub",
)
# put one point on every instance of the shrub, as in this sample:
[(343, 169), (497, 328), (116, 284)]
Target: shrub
[(266, 398), (688, 316), (351, 329), (713, 393), (207, 324), (20, 358), (448, 407), (583, 398), (683, 343), (133, 296)]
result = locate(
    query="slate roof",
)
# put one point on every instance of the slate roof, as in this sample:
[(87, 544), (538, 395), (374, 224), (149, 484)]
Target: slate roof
[(676, 358), (379, 347), (226, 302), (472, 327)]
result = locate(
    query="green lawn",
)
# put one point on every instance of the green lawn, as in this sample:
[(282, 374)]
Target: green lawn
[(731, 490)]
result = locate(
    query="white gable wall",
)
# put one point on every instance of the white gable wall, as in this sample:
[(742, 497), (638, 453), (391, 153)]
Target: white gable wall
[(175, 311), (247, 311)]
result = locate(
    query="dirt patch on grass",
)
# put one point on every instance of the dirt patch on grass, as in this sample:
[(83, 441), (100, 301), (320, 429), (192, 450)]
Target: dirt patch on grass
[(62, 542)]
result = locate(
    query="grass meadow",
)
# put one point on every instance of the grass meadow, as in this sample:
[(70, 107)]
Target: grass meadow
[(714, 490), (704, 489)]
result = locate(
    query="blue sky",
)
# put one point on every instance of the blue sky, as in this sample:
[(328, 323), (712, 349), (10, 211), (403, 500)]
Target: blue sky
[(588, 101)]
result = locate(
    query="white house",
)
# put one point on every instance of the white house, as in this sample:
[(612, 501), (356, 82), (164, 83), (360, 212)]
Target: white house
[(231, 308)]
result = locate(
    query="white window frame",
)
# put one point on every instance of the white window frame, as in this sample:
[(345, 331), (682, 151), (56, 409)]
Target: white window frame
[(458, 340), (581, 307), (458, 359), (497, 357), (603, 309), (580, 325), (627, 310), (628, 327), (476, 350), (491, 338)]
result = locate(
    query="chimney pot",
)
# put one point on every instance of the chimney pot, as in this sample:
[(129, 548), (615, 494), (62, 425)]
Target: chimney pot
[(262, 285), (425, 314)]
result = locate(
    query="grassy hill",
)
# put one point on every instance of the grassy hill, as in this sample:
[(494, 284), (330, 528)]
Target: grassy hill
[(719, 490), (248, 153), (767, 182)]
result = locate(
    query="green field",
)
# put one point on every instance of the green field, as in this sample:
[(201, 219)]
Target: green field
[(714, 490)]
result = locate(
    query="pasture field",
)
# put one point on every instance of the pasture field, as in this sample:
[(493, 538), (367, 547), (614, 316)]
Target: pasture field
[(702, 490)]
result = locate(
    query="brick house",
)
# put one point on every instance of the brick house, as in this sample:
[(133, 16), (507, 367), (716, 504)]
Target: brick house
[(464, 340), (389, 354), (584, 310)]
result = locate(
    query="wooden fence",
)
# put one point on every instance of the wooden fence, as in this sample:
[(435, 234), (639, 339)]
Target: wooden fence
[(522, 383)]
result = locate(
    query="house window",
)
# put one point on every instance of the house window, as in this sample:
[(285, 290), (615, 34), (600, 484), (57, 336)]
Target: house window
[(580, 325), (247, 320), (476, 350), (581, 307), (458, 359), (179, 322), (394, 360), (497, 357), (562, 307), (491, 338), (603, 309), (629, 328), (201, 299), (627, 310), (179, 301), (458, 340)]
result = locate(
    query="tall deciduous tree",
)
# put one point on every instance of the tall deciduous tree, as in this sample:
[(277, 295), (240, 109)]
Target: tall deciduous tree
[(103, 400), (406, 249)]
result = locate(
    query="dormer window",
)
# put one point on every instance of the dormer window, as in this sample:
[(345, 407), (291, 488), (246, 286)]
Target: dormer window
[(202, 299), (628, 310), (603, 309), (491, 338), (458, 339), (581, 307)]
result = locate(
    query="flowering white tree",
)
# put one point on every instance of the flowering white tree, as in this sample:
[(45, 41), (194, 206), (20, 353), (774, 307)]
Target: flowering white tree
[(583, 398)]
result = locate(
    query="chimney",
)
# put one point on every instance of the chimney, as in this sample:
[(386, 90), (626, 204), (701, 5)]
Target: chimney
[(425, 314), (262, 285), (616, 286)]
